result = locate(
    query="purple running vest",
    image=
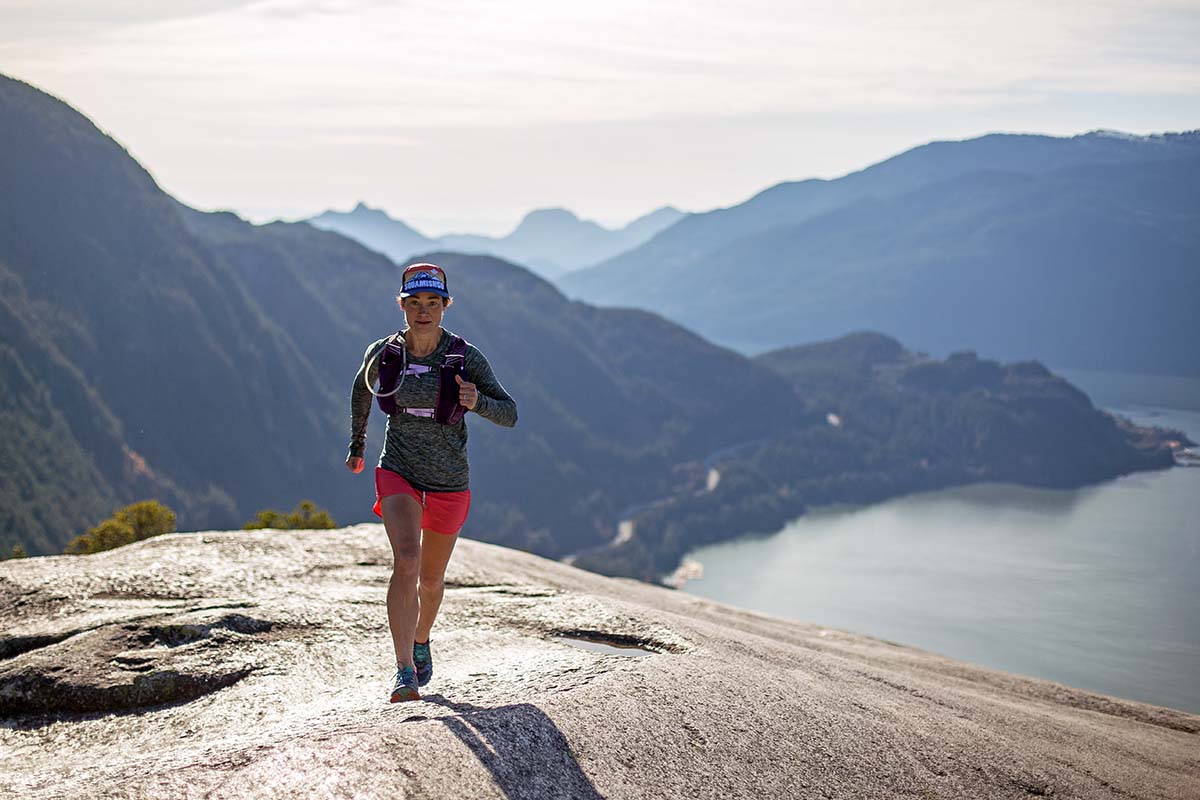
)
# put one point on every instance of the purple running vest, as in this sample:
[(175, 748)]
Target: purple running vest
[(391, 364)]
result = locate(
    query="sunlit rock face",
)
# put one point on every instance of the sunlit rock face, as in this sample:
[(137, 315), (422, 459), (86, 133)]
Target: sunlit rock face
[(257, 664)]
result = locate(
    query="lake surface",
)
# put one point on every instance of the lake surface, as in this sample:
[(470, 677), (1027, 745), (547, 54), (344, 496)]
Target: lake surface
[(1098, 588)]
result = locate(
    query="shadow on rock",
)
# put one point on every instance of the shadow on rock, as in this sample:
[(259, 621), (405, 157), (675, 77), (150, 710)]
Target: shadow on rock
[(522, 747), (130, 665)]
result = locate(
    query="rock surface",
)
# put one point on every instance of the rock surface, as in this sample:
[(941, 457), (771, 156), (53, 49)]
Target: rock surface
[(257, 664)]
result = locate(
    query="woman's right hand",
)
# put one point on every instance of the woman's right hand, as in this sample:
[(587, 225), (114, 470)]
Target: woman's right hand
[(354, 464)]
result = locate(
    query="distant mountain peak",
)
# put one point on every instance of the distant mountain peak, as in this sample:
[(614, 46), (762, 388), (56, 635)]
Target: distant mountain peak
[(365, 211), (1109, 133), (374, 228), (557, 213), (550, 220), (666, 214)]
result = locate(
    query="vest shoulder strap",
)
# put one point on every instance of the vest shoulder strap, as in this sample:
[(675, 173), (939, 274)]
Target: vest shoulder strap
[(456, 354)]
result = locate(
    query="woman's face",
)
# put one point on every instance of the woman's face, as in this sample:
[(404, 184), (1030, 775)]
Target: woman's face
[(423, 311)]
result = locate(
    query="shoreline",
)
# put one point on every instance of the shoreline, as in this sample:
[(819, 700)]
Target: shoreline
[(837, 508), (1082, 586)]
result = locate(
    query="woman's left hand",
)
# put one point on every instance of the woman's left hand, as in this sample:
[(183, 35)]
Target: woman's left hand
[(468, 395)]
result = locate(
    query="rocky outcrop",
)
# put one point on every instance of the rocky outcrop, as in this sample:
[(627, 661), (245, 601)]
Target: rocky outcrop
[(257, 664)]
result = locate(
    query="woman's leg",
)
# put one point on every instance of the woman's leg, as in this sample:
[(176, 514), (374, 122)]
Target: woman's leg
[(435, 555), (402, 521)]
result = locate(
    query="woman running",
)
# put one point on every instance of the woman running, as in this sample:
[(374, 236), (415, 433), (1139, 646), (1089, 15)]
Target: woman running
[(421, 483)]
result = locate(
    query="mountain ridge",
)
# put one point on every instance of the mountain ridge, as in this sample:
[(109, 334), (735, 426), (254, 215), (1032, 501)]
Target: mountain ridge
[(816, 240), (777, 204), (550, 241)]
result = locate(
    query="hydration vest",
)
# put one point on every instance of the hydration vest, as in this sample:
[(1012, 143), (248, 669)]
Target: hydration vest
[(393, 360)]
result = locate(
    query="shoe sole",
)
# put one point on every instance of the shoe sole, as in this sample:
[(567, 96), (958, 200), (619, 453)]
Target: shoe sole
[(403, 696)]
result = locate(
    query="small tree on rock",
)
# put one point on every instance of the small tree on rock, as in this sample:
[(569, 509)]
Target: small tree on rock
[(18, 551), (305, 516), (267, 518), (132, 523), (109, 534), (147, 518), (308, 516)]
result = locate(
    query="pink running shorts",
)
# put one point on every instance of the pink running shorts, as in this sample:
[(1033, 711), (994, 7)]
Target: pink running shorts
[(444, 512)]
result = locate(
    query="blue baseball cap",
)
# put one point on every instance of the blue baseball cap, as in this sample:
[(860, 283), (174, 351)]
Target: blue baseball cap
[(424, 278)]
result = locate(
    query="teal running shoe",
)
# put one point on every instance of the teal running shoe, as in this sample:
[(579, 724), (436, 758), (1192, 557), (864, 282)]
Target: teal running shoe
[(405, 685), (423, 659)]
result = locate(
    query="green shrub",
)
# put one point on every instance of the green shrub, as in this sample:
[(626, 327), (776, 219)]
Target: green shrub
[(129, 524), (267, 518), (17, 552), (305, 516), (147, 518), (108, 534)]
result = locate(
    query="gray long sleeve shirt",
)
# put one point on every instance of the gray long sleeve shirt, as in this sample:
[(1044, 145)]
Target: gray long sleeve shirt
[(430, 456)]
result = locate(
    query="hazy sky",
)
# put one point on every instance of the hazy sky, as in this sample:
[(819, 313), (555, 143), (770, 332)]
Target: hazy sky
[(465, 115)]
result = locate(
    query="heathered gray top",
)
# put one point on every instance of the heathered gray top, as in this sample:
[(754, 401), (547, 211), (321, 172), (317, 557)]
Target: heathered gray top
[(430, 456)]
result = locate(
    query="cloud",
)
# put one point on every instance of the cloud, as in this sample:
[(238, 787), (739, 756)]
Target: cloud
[(294, 9), (478, 62), (184, 83), (27, 20)]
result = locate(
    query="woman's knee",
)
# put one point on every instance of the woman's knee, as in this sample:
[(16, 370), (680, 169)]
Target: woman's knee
[(406, 563), (431, 583)]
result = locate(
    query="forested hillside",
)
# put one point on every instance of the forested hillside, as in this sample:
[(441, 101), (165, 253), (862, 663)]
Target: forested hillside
[(884, 422)]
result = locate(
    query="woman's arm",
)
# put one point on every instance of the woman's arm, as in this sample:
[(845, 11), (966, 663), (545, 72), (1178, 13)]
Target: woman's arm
[(360, 399), (493, 402)]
